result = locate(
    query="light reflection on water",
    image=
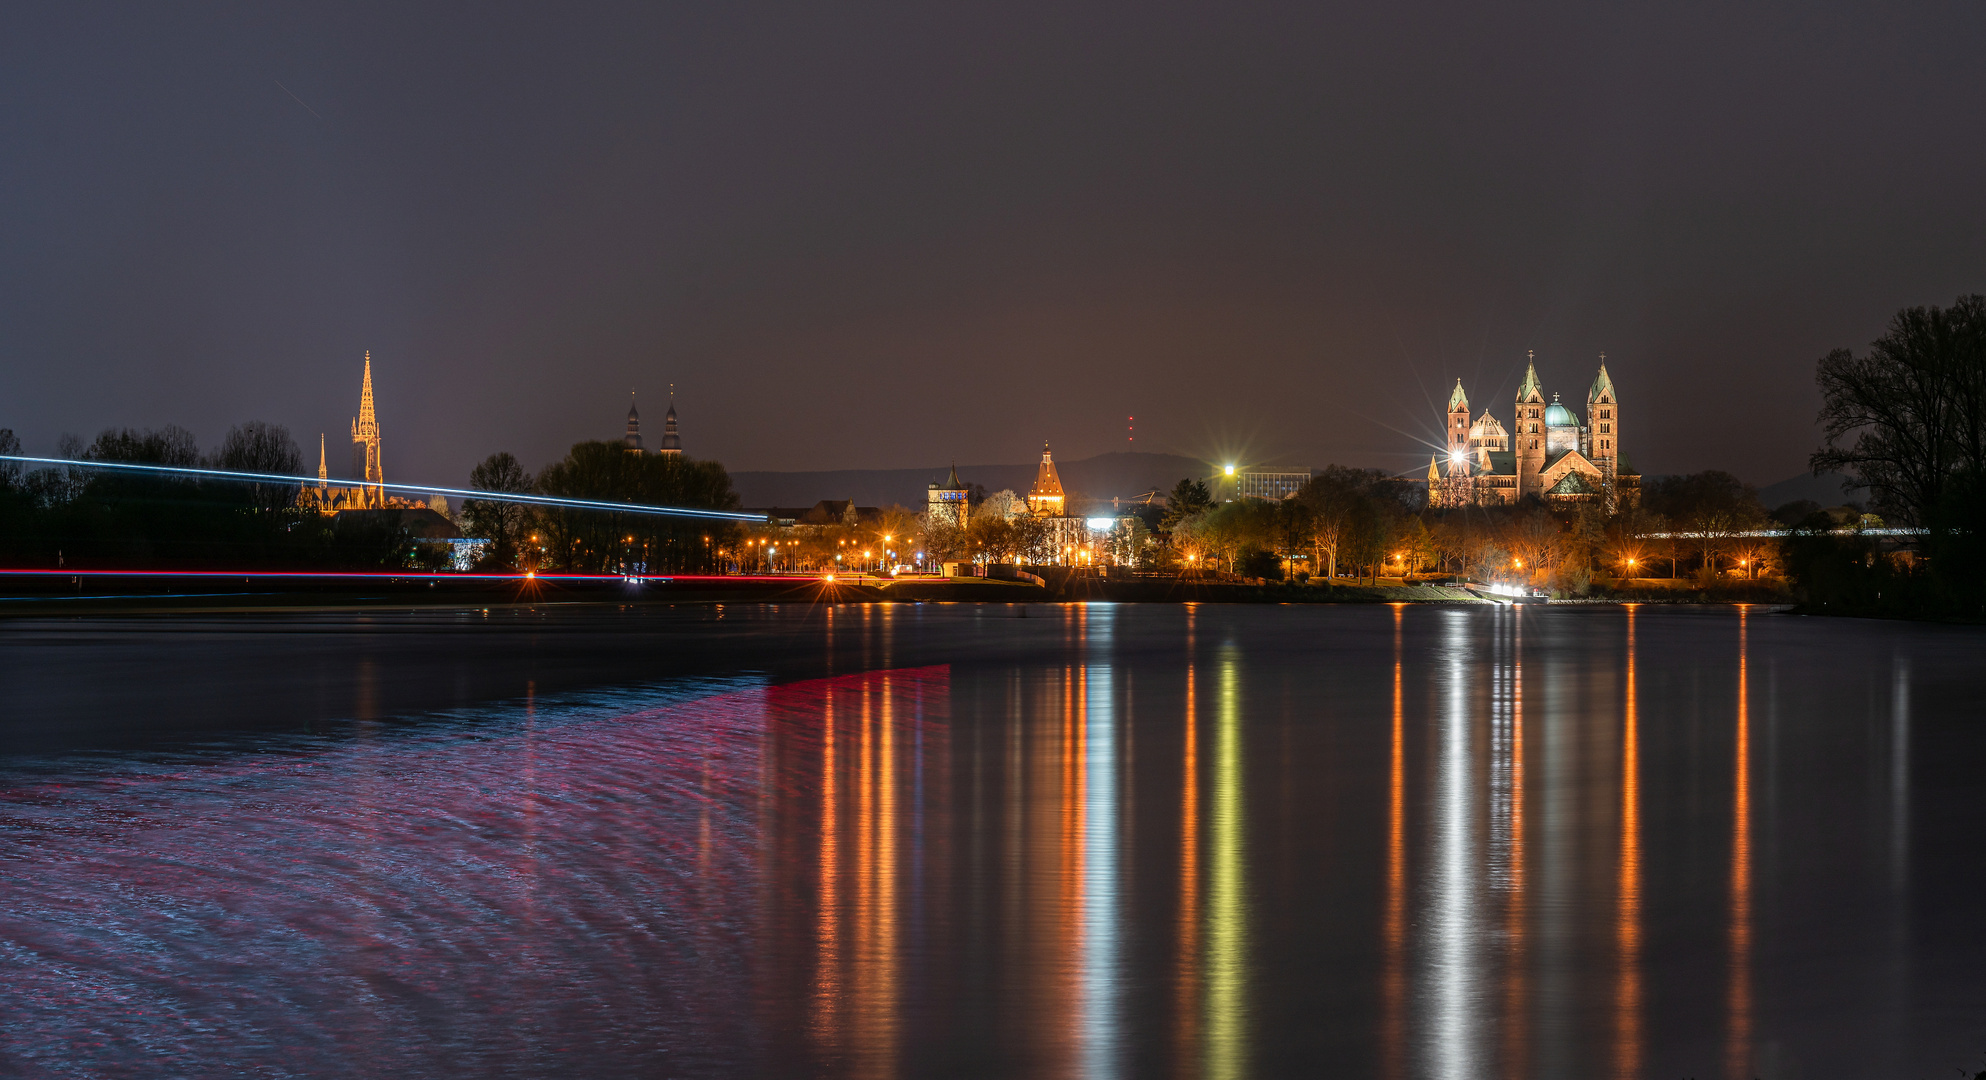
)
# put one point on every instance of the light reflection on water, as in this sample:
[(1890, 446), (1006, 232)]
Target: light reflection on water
[(1517, 842)]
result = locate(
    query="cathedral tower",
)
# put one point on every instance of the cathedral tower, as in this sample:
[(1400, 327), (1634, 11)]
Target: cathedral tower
[(1458, 425), (365, 443), (632, 440), (1529, 433), (1603, 423), (672, 442)]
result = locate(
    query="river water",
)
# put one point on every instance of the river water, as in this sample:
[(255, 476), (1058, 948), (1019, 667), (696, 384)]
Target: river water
[(974, 840)]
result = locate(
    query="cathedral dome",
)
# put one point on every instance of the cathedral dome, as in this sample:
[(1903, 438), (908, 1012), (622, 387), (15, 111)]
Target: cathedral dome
[(1557, 415)]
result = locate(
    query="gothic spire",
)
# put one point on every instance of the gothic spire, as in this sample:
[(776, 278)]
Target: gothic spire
[(1458, 399), (368, 421)]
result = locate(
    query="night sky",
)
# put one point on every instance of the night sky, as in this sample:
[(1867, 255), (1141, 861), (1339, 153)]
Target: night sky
[(858, 236)]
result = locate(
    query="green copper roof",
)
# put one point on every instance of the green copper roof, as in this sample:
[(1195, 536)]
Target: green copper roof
[(1531, 391), (1602, 386), (1458, 399), (1557, 415)]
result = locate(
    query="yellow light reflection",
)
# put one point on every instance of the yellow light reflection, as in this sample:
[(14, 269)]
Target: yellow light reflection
[(1227, 944), (1737, 1055), (827, 979), (1627, 919), (1187, 978), (1393, 983)]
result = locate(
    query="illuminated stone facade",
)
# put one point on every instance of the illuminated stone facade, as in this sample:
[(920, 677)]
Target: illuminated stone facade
[(368, 493), (1546, 452), (950, 504)]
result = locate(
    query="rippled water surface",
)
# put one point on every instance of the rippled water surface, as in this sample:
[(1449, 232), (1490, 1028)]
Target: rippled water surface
[(975, 840)]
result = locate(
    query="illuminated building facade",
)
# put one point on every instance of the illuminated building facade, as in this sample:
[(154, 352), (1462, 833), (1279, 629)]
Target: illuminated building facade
[(950, 504), (1045, 498), (1067, 534), (1546, 452), (1268, 484), (367, 494)]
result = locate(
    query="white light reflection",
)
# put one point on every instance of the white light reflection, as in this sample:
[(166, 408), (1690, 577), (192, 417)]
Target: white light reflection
[(1102, 978), (1453, 1024), (1899, 774)]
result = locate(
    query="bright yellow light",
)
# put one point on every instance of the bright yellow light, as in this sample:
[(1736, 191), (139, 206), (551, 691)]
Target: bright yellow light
[(829, 579), (1230, 470), (886, 538), (1519, 563), (530, 573)]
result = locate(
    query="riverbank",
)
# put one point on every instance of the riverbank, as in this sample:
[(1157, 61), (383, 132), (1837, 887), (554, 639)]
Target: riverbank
[(137, 593)]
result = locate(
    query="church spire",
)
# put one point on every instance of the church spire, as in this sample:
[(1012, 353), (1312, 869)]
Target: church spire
[(368, 421), (365, 441), (632, 441), (1531, 390), (1603, 386), (672, 440), (322, 473)]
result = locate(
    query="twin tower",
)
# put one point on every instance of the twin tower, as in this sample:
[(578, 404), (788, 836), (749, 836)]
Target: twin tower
[(1547, 451)]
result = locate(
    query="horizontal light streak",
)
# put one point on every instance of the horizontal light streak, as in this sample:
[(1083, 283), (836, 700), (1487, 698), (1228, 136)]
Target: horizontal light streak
[(464, 493), (392, 575), (1846, 530)]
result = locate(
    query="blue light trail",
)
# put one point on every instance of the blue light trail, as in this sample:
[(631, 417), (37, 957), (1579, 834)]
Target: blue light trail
[(464, 493)]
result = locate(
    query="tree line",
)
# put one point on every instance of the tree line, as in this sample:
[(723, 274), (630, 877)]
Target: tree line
[(74, 517), (597, 541)]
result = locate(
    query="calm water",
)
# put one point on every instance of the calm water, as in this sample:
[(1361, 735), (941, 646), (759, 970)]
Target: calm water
[(953, 841)]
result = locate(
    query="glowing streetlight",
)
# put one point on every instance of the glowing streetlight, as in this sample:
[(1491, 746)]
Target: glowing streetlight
[(1229, 470)]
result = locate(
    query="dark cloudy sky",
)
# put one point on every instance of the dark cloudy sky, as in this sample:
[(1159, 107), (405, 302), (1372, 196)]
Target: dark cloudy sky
[(866, 236)]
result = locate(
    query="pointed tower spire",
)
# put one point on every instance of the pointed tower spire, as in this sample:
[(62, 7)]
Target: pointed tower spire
[(1046, 497), (1458, 399), (672, 440), (1531, 390), (632, 441), (1603, 386), (365, 441), (368, 420), (322, 474)]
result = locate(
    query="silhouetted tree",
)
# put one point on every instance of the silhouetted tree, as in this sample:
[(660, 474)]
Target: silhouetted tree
[(503, 524)]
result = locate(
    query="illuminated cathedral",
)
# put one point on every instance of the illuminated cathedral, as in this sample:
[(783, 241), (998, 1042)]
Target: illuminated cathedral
[(369, 493), (1546, 452)]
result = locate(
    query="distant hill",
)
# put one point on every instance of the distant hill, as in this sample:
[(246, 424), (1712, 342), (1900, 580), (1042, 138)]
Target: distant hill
[(1826, 490), (1121, 474)]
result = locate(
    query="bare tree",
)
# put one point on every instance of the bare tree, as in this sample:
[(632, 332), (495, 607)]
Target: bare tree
[(260, 447), (501, 523), (1909, 415)]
